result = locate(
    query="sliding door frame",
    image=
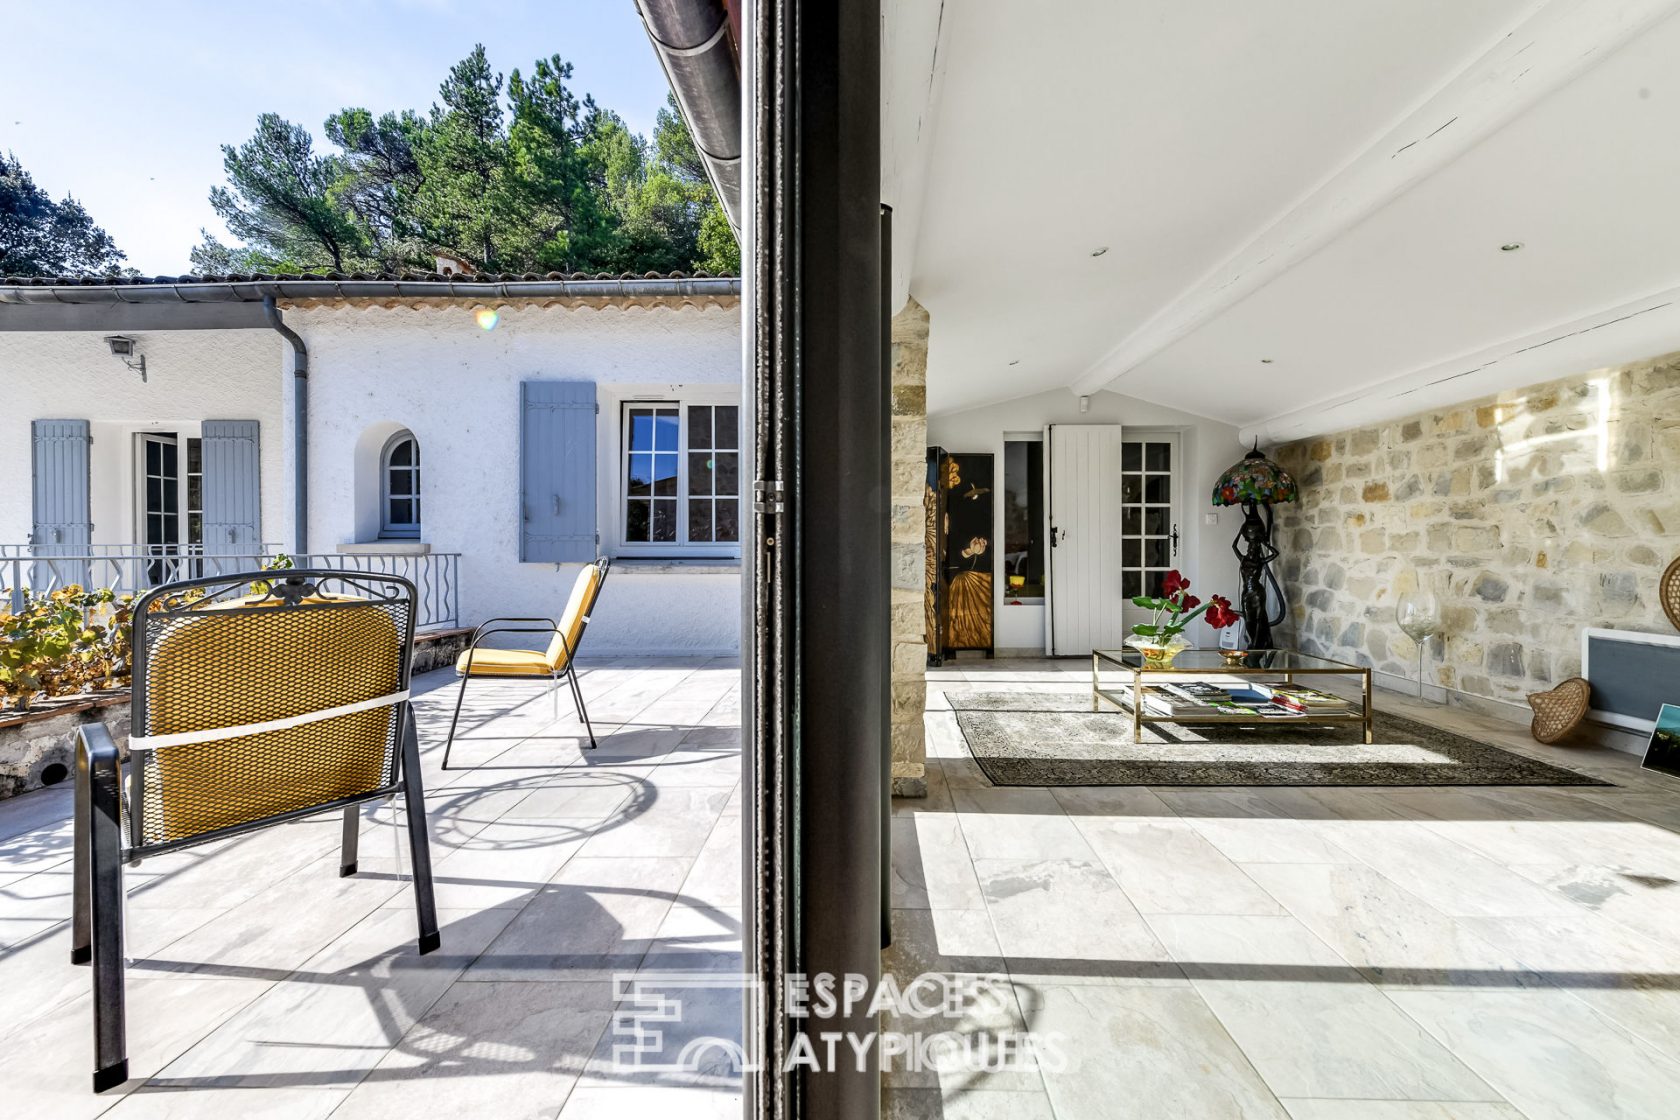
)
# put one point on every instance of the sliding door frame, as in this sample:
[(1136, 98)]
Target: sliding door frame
[(813, 678)]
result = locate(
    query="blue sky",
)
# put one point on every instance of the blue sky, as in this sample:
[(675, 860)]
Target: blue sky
[(126, 105)]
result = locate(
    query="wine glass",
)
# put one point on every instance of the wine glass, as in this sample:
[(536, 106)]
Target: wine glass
[(1418, 614)]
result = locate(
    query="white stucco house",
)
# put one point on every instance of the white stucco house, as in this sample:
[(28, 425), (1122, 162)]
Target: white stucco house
[(484, 435)]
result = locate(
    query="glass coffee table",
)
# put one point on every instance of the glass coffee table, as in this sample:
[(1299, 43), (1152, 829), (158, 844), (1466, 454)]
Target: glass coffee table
[(1266, 666)]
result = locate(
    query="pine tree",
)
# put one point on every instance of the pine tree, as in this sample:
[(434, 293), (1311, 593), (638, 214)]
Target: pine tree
[(40, 237), (279, 200)]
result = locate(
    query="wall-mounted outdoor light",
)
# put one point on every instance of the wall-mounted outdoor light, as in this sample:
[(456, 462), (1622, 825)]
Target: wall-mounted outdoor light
[(128, 350)]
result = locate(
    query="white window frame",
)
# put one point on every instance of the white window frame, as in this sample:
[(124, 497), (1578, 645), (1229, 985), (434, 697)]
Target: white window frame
[(391, 530), (615, 420), (142, 508)]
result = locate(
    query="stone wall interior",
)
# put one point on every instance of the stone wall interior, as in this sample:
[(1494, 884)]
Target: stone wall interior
[(1531, 515), (909, 483)]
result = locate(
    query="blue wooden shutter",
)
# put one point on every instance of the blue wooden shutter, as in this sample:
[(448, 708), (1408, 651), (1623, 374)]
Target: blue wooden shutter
[(63, 508), (232, 487), (557, 471)]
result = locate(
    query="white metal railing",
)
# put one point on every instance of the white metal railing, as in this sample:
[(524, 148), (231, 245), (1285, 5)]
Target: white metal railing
[(129, 569), (436, 577)]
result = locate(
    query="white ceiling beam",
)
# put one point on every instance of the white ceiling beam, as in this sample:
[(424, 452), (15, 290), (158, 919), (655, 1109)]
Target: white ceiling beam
[(1558, 42), (1631, 331)]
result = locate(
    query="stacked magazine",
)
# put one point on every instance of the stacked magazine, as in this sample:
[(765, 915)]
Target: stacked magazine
[(1192, 699)]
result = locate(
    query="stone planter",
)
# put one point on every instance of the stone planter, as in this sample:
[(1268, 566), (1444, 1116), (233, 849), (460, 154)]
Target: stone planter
[(38, 746)]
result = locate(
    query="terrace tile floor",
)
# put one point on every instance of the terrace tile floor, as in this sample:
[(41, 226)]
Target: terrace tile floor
[(1318, 954), (1312, 953), (262, 984)]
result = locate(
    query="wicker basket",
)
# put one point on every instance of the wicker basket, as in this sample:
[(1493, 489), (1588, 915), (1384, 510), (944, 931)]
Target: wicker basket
[(1668, 592), (1560, 711)]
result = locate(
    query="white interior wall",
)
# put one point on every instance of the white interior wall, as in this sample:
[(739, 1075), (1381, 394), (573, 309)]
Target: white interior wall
[(1208, 448)]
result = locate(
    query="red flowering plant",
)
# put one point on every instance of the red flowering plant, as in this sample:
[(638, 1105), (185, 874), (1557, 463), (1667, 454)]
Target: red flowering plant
[(1175, 609)]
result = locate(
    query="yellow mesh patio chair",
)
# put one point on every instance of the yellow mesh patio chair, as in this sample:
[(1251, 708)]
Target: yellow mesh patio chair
[(550, 664), (257, 699)]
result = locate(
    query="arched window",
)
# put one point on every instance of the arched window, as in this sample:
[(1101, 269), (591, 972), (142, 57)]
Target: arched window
[(399, 486)]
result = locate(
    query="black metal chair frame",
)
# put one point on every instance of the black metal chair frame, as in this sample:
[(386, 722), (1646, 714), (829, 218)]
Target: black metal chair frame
[(552, 629), (99, 848)]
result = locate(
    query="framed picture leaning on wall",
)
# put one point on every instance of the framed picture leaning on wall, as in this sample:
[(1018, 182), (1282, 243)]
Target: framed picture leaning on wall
[(1663, 753)]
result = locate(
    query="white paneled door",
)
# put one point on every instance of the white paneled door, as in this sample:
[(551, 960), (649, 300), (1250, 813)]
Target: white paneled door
[(1087, 607)]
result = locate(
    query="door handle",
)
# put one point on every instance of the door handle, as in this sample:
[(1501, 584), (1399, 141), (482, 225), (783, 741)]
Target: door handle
[(557, 505), (1175, 541)]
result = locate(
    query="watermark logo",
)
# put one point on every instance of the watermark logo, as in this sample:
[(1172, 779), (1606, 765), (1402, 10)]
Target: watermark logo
[(690, 1023)]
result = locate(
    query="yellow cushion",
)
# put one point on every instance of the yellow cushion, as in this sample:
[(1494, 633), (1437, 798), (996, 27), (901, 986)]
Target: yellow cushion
[(504, 663), (571, 623)]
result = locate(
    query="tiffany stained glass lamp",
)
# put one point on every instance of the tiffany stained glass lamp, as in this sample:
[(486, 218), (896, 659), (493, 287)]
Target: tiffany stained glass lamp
[(1256, 483)]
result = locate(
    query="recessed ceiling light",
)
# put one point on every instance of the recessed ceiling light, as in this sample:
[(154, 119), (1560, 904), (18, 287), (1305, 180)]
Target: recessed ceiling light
[(1099, 250), (1510, 246)]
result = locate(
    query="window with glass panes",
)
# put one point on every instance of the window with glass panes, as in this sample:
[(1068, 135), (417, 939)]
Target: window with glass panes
[(682, 474), (1148, 536), (162, 509), (714, 473), (400, 515)]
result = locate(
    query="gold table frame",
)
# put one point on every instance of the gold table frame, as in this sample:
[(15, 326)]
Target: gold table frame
[(1287, 664)]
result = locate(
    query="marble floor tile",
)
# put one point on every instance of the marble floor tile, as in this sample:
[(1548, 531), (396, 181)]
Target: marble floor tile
[(503, 865), (1631, 980), (1399, 1110), (508, 1050), (596, 918), (1129, 802), (161, 1103), (715, 877), (1247, 829), (576, 793), (1068, 922), (1548, 1055), (329, 1022), (1017, 824), (1449, 876), (697, 938), (1311, 1024), (989, 1104), (950, 960), (1535, 828), (931, 868), (1167, 867), (651, 1103), (1391, 935), (1648, 905), (698, 1048), (47, 1070), (1142, 1053), (676, 823)]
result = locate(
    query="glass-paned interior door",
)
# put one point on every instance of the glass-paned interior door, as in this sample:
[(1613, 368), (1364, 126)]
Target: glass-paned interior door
[(1150, 475)]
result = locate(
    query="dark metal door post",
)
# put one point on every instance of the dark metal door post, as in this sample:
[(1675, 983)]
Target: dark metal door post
[(819, 645)]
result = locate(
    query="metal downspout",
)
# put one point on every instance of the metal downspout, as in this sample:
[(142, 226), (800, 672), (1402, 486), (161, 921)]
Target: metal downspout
[(300, 422)]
